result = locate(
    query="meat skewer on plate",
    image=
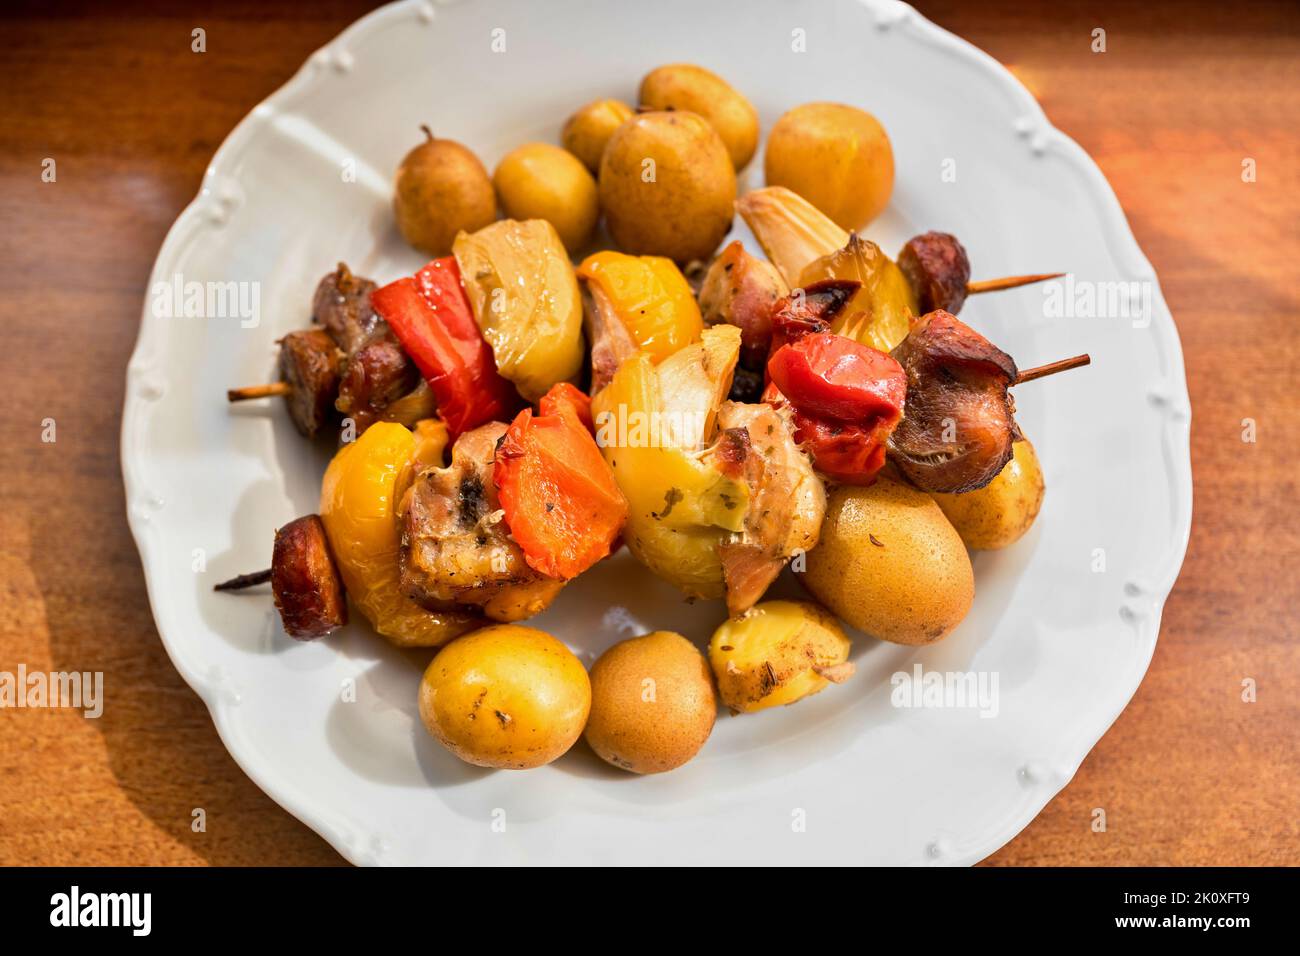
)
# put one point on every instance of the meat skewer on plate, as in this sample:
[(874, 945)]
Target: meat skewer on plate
[(938, 406), (348, 364)]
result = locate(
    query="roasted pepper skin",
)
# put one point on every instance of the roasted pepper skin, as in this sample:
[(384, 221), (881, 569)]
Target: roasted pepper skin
[(430, 315)]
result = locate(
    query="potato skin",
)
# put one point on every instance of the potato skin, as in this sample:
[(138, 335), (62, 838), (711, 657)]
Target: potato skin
[(776, 653), (684, 86), (837, 157), (507, 696), (587, 132), (541, 181), (441, 189), (652, 703), (686, 209), (1000, 513), (890, 564)]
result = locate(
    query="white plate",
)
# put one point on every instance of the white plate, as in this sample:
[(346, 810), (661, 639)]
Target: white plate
[(843, 777)]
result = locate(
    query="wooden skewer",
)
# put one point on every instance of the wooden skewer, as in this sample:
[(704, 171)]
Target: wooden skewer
[(244, 581), (1029, 374), (1008, 282), (258, 391)]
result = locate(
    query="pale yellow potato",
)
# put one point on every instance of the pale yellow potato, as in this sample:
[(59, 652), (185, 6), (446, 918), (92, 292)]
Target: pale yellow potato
[(684, 86), (667, 186), (507, 696), (541, 181), (776, 653), (652, 703), (890, 564), (441, 188), (1002, 511), (835, 156), (587, 131)]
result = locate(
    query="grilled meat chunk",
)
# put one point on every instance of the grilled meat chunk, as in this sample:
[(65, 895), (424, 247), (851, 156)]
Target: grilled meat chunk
[(376, 370), (305, 581), (959, 425), (374, 377), (742, 290), (456, 548), (610, 340), (310, 362), (937, 269), (787, 500), (342, 305)]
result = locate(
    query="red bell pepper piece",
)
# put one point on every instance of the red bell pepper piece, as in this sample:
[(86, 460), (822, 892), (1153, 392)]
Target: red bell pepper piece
[(561, 503), (431, 316), (847, 399)]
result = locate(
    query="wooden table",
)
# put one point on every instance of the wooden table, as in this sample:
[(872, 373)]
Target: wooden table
[(1190, 773)]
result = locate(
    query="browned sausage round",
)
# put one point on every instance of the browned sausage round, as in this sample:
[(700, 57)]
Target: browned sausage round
[(937, 269), (308, 592)]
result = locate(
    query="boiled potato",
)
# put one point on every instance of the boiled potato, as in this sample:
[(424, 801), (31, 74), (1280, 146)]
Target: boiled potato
[(835, 156), (1002, 511), (682, 86), (667, 186), (778, 652), (652, 703), (441, 189), (587, 131), (541, 181), (890, 564), (507, 696)]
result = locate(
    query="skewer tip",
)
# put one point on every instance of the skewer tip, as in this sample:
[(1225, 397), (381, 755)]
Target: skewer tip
[(1051, 368)]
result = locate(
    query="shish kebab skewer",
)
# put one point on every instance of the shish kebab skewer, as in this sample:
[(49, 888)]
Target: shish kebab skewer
[(349, 363), (938, 405)]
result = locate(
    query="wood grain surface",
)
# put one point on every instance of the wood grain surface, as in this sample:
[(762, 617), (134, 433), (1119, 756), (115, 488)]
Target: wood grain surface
[(1190, 774)]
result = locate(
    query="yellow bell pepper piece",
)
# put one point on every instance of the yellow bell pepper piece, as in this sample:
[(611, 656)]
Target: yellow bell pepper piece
[(358, 504), (650, 296)]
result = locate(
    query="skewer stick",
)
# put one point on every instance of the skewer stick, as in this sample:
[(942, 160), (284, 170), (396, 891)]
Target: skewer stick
[(244, 581), (1008, 282), (1029, 374), (258, 391)]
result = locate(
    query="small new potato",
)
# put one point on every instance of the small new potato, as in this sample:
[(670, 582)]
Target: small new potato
[(441, 189), (652, 703), (1002, 511), (683, 86), (776, 653), (835, 156), (667, 186), (541, 181), (508, 696), (890, 564), (587, 131)]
